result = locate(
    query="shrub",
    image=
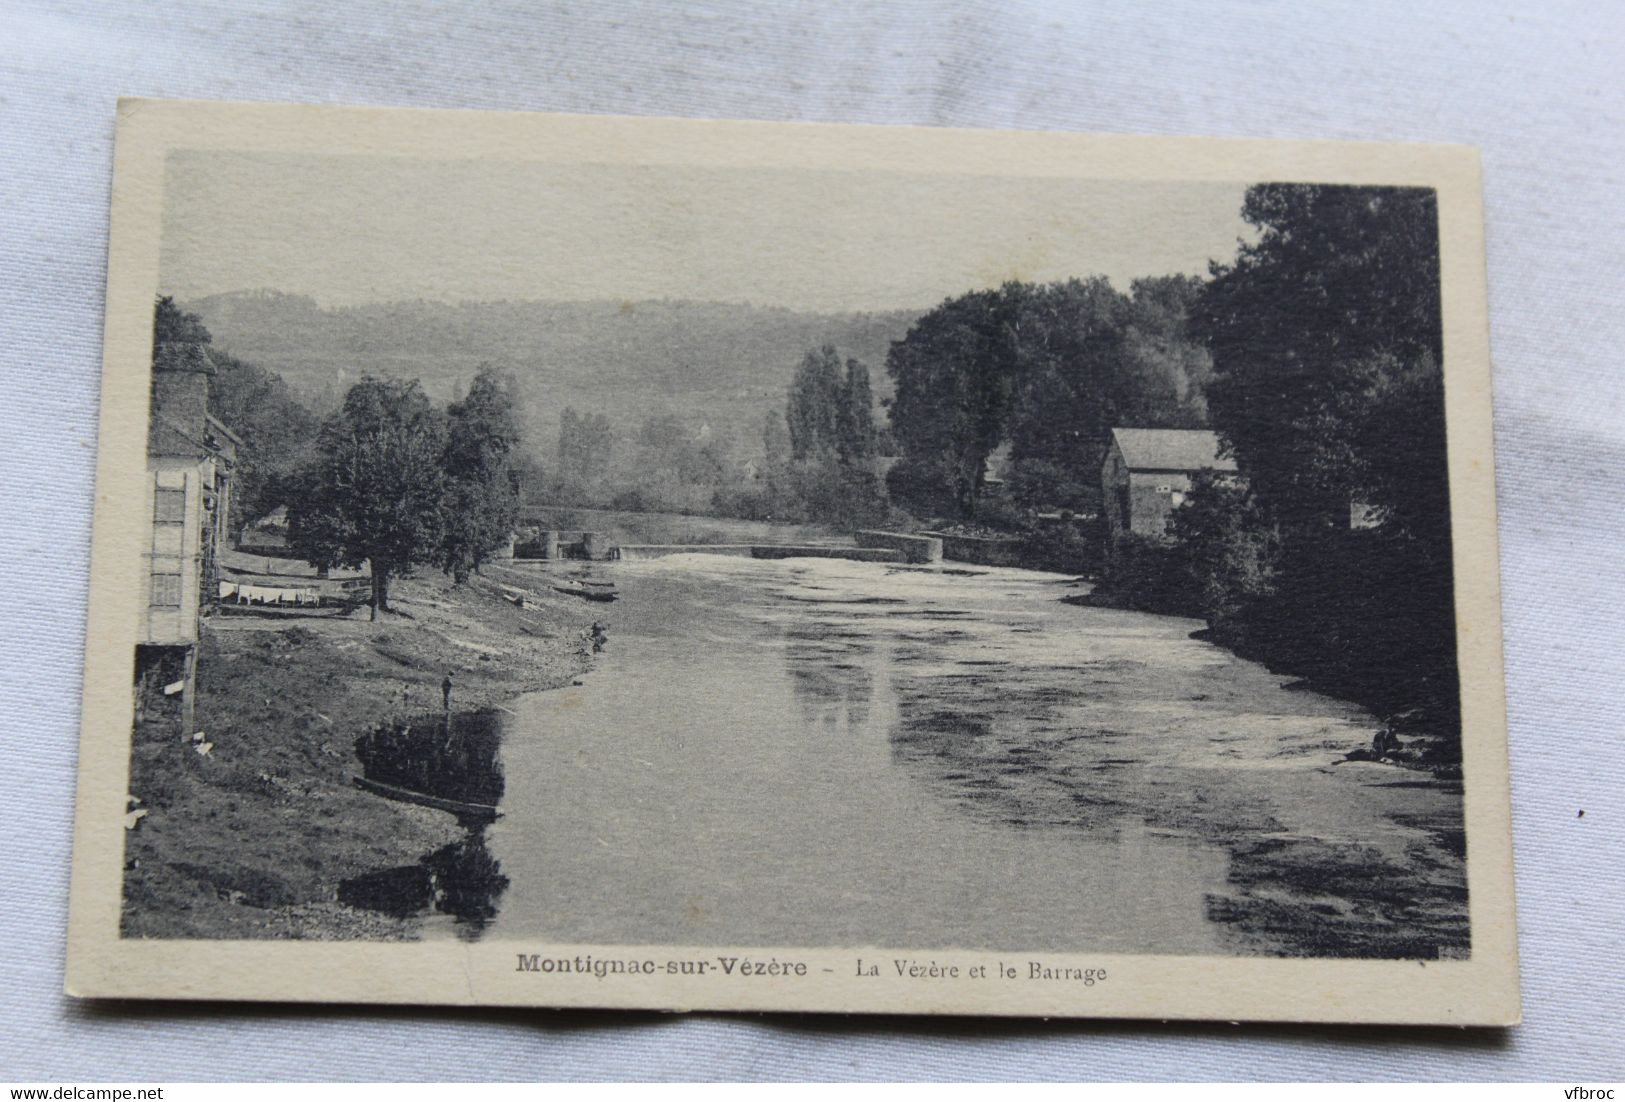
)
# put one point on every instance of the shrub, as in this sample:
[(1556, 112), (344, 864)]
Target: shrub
[(1001, 513), (1144, 573), (1069, 548), (922, 487), (1228, 555), (1040, 484)]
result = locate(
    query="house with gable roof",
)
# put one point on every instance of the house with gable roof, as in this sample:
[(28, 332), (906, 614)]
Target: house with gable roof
[(1147, 473)]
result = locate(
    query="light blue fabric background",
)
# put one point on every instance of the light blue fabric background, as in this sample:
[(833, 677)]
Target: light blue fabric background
[(1538, 86)]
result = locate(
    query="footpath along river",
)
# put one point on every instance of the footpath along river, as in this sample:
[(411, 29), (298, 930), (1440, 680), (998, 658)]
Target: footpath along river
[(831, 753)]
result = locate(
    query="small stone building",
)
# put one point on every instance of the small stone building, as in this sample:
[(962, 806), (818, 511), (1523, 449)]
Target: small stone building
[(1147, 473)]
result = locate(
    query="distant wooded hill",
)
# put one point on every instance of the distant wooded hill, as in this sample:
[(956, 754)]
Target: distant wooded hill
[(722, 365)]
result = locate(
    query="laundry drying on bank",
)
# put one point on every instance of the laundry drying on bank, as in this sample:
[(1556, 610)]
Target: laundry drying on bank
[(269, 595)]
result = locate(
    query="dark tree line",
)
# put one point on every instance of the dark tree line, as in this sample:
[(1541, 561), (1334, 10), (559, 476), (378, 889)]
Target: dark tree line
[(1046, 371), (1316, 357), (1331, 556)]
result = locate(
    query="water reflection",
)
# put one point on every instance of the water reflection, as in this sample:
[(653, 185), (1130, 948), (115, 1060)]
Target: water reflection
[(830, 678), (462, 880), (451, 762)]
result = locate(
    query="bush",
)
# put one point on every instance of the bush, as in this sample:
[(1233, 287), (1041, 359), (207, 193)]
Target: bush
[(922, 487), (1228, 556), (998, 512), (839, 495), (1067, 548), (1144, 573), (1040, 485)]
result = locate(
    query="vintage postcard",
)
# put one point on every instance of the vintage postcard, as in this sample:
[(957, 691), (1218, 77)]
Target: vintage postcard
[(569, 561)]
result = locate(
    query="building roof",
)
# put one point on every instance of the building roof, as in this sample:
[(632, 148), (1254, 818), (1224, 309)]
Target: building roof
[(1171, 450)]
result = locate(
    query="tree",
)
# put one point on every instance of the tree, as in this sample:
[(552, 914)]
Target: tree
[(482, 490), (586, 450), (1326, 337), (375, 491), (829, 422), (1163, 369), (1090, 359), (855, 436), (774, 497), (1228, 552), (171, 324), (1069, 350), (956, 374), (815, 410), (1340, 288), (776, 451), (277, 430)]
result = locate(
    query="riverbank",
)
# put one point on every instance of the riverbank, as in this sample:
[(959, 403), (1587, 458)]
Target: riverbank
[(253, 838)]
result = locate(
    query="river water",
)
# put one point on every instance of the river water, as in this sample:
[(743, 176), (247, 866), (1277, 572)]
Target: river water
[(832, 753)]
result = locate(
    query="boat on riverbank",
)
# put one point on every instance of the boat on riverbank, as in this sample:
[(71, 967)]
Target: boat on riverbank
[(465, 810), (588, 590)]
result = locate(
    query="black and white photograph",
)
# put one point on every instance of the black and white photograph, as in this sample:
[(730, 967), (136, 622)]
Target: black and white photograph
[(566, 558)]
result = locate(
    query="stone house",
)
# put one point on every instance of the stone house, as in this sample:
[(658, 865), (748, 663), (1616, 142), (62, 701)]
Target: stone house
[(1147, 472)]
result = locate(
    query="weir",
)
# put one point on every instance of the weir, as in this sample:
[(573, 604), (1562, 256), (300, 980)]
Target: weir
[(915, 549), (636, 552)]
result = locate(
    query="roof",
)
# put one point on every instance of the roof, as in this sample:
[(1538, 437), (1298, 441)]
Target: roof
[(1171, 450)]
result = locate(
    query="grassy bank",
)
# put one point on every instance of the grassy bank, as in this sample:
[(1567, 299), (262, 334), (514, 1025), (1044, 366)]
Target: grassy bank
[(253, 838)]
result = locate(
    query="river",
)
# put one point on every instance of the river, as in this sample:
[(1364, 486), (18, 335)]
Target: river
[(831, 753)]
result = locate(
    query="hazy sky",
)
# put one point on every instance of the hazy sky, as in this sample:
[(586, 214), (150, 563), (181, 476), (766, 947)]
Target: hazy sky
[(350, 230)]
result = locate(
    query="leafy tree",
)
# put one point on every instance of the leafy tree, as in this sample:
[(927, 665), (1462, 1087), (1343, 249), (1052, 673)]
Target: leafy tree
[(1326, 342), (855, 427), (1163, 370), (482, 490), (773, 497), (1070, 340), (1228, 554), (375, 491), (172, 324), (776, 451), (277, 429), (585, 454), (1340, 288), (830, 424), (956, 375), (816, 409)]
